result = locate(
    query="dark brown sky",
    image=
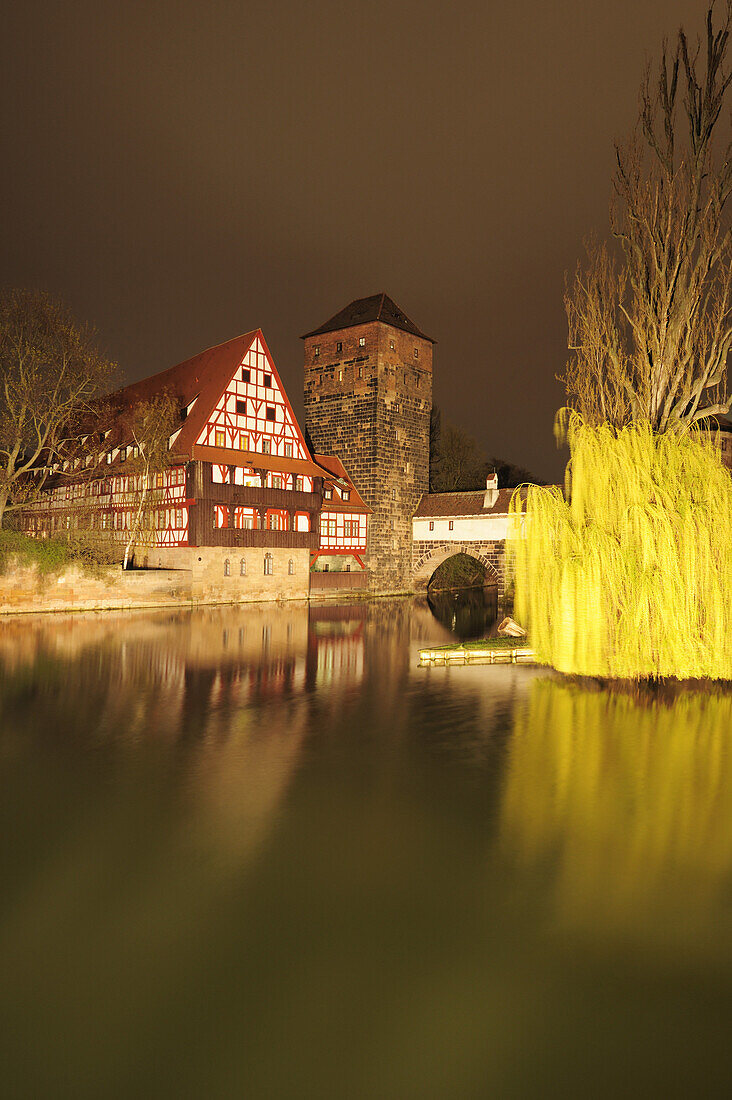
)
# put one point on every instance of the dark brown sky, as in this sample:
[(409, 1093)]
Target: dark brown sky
[(183, 172)]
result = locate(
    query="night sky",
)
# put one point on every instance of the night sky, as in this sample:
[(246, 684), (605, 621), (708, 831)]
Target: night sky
[(181, 173)]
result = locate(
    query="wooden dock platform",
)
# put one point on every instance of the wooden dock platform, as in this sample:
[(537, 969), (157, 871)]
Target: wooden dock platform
[(475, 655)]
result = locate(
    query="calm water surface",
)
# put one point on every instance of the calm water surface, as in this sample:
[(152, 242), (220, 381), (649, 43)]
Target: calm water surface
[(259, 853)]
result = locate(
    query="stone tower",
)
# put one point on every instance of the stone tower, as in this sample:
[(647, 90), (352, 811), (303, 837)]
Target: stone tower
[(368, 396)]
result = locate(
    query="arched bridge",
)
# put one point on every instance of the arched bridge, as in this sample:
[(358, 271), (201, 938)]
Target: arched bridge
[(474, 523)]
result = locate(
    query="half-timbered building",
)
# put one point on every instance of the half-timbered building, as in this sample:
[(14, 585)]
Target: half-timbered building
[(241, 492)]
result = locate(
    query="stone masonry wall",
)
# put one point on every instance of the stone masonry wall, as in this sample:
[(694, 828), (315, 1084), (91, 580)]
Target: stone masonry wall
[(428, 554), (370, 405)]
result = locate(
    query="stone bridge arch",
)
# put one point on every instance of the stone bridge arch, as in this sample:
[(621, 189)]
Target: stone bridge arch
[(428, 559)]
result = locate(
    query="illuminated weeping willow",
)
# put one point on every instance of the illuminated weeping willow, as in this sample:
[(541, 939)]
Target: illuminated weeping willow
[(630, 576)]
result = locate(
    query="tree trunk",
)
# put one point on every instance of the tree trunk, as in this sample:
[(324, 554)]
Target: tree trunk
[(136, 525)]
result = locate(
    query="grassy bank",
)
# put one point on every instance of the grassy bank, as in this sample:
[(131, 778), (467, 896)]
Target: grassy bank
[(53, 556)]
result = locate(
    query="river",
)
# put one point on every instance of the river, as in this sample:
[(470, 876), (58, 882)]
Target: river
[(258, 852)]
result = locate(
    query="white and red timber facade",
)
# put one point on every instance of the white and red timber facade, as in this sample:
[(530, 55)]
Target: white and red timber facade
[(243, 495), (258, 509)]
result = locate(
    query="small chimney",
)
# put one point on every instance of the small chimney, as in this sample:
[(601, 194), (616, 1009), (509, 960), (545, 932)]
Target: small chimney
[(491, 491)]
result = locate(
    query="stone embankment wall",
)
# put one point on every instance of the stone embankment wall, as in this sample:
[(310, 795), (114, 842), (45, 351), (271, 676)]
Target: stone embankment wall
[(199, 577)]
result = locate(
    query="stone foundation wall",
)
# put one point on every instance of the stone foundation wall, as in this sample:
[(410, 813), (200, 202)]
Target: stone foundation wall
[(184, 576)]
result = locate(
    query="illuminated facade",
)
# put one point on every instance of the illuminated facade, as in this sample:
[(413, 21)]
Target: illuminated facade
[(240, 475)]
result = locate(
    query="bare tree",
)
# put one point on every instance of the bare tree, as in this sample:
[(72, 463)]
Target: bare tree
[(456, 463), (151, 426), (650, 326), (50, 372)]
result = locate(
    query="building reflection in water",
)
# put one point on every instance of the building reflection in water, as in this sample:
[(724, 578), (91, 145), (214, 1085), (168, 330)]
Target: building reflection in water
[(624, 806)]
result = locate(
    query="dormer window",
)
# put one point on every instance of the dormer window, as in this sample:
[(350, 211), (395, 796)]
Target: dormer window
[(327, 494), (346, 494)]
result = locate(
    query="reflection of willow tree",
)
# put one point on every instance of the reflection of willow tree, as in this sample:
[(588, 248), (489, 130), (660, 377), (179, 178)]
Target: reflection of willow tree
[(626, 804)]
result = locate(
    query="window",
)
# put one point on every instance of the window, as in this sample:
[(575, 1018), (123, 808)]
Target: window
[(243, 441), (451, 525), (276, 521), (347, 567), (227, 568), (362, 341), (265, 446), (340, 375), (328, 494), (330, 528), (268, 381), (346, 494), (246, 375), (270, 412), (159, 479), (241, 407), (316, 350), (391, 345), (432, 525), (220, 439), (339, 345), (290, 567), (276, 481), (396, 406), (351, 528), (360, 372), (268, 565), (393, 494), (123, 454), (416, 353), (244, 519), (243, 567), (321, 378), (221, 517), (298, 484), (179, 518)]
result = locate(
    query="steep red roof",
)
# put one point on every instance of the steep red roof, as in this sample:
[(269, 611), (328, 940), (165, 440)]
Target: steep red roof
[(355, 503), (362, 311)]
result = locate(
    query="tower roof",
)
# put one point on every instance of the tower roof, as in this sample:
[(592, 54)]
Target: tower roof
[(362, 311)]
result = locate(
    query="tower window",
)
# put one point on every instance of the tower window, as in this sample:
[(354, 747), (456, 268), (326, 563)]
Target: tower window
[(241, 407), (270, 412), (393, 494), (339, 345), (246, 375), (362, 341), (340, 375), (360, 372), (268, 381), (316, 350), (391, 345), (416, 353)]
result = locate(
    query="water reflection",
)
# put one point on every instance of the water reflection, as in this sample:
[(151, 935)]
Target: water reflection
[(467, 613), (622, 808), (235, 839)]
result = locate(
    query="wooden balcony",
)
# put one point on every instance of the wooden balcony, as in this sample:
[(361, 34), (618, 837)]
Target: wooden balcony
[(274, 540)]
